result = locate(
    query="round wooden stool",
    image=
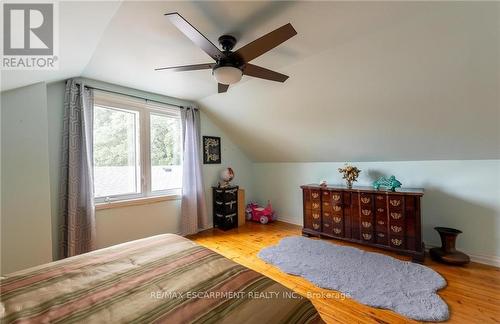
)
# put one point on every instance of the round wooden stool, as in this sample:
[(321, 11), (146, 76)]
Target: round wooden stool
[(447, 252)]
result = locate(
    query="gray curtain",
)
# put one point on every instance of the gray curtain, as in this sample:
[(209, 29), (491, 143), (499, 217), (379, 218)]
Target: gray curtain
[(77, 184), (194, 210)]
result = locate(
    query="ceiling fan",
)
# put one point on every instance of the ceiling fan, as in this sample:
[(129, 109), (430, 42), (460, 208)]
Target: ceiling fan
[(230, 66)]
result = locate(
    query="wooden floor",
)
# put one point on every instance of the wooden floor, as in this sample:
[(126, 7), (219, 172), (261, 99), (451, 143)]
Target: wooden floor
[(473, 291)]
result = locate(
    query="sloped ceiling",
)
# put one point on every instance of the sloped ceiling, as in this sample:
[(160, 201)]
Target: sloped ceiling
[(81, 25), (369, 81)]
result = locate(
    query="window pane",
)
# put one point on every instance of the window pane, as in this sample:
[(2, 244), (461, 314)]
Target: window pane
[(116, 167), (166, 169)]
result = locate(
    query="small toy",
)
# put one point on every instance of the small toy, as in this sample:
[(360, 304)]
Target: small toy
[(257, 213), (323, 183), (390, 183)]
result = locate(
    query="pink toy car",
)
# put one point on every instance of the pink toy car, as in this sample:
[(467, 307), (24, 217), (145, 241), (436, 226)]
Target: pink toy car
[(256, 213)]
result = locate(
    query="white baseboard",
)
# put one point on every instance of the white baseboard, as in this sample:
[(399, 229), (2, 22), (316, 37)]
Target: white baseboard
[(290, 221), (491, 260)]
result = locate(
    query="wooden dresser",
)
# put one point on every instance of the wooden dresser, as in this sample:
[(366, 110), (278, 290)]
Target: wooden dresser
[(384, 219)]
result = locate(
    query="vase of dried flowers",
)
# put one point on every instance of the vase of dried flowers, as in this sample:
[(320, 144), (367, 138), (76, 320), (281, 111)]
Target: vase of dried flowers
[(350, 174)]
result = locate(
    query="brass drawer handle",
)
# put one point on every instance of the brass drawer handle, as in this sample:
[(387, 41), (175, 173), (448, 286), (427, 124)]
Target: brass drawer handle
[(325, 193), (396, 229), (337, 208), (365, 200), (396, 241), (380, 222), (395, 202), (380, 210), (326, 204), (337, 230), (380, 197), (315, 195), (316, 215), (366, 224), (326, 225), (326, 214), (366, 212), (337, 219), (367, 236), (315, 226), (336, 197), (315, 205), (396, 215), (381, 235)]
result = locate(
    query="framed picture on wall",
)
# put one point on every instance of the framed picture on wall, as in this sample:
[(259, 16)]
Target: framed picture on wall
[(211, 150)]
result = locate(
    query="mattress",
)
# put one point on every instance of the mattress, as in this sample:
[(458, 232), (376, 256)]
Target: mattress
[(164, 278)]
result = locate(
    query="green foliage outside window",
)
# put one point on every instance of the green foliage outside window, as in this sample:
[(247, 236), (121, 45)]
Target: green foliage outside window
[(114, 138)]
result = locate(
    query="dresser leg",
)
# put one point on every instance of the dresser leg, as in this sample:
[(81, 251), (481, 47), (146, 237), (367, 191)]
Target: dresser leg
[(420, 257)]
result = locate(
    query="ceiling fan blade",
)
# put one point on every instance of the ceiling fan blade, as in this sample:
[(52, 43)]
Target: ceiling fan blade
[(193, 67), (265, 43), (194, 35), (263, 73), (223, 87)]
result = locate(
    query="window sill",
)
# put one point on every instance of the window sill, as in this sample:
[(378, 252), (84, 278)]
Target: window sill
[(136, 201)]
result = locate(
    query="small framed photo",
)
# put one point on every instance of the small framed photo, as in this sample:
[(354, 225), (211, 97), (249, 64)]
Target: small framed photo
[(211, 150)]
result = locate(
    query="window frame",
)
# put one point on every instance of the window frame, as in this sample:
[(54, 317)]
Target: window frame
[(144, 109)]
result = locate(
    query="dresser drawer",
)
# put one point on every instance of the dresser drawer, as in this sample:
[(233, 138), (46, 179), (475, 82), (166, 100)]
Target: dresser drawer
[(327, 205), (396, 203), (337, 209), (315, 205), (397, 242), (395, 229), (380, 201), (338, 220), (315, 194), (327, 226), (336, 197), (367, 236), (327, 215), (381, 238), (316, 225), (316, 215), (366, 200), (366, 212), (367, 225), (338, 230), (396, 216)]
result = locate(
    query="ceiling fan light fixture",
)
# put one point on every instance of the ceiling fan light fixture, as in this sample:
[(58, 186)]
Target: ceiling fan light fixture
[(227, 74)]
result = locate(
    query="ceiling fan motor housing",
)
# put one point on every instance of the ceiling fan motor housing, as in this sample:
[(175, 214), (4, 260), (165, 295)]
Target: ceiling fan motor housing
[(227, 42)]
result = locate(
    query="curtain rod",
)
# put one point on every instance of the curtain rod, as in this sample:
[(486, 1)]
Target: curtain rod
[(133, 96)]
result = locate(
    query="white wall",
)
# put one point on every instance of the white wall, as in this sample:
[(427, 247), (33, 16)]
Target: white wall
[(55, 113), (460, 194), (25, 188), (233, 157)]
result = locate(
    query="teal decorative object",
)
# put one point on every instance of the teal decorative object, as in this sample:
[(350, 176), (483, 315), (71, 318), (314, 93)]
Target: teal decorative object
[(390, 183)]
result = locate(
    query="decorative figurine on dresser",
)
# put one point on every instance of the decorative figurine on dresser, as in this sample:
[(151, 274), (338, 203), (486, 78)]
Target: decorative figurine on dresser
[(225, 209), (385, 219)]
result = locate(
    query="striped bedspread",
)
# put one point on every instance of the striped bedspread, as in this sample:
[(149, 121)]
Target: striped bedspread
[(164, 278)]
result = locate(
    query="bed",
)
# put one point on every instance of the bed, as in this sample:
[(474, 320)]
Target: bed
[(164, 278)]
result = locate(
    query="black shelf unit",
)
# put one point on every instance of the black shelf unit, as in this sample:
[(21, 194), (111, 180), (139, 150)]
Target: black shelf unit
[(225, 207)]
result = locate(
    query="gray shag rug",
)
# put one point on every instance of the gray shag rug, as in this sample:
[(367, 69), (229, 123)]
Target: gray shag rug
[(371, 278)]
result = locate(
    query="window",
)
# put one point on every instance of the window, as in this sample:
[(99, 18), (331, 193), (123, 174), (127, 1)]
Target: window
[(137, 148)]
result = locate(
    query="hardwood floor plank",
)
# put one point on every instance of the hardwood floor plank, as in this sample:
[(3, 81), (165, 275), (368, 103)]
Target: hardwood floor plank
[(473, 291)]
